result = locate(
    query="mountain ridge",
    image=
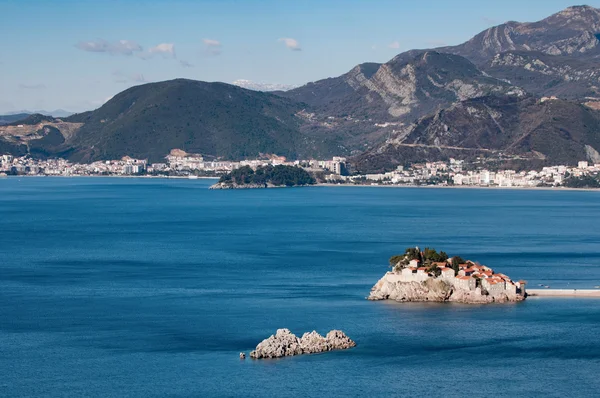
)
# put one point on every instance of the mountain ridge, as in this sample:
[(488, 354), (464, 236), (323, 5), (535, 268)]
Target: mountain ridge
[(387, 111)]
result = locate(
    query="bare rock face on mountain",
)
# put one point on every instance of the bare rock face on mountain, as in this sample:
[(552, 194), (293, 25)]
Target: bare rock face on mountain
[(572, 32), (548, 75), (284, 343), (402, 89)]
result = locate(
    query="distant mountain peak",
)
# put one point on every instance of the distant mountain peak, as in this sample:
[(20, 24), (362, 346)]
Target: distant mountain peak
[(572, 31), (575, 14), (579, 9)]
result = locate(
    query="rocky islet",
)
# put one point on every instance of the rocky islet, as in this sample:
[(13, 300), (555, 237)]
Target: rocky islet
[(284, 344)]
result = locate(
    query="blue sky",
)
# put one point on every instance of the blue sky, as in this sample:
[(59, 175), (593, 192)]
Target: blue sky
[(75, 55)]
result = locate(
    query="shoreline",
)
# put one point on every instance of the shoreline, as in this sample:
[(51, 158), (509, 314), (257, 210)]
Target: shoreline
[(461, 187), (113, 176), (564, 293), (330, 185)]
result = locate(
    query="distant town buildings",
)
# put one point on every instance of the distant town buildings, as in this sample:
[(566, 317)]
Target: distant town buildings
[(178, 163)]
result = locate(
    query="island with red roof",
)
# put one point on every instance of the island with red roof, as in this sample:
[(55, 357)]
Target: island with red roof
[(431, 276)]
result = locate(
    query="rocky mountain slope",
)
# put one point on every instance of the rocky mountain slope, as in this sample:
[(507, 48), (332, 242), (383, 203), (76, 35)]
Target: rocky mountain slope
[(402, 89), (571, 32), (548, 75), (527, 129)]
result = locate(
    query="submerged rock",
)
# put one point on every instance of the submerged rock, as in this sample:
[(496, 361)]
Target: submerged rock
[(284, 343)]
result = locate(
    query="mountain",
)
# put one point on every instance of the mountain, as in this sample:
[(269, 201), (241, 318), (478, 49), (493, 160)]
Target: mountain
[(522, 130), (407, 87), (148, 121), (215, 119), (571, 32), (359, 109), (482, 98), (7, 119)]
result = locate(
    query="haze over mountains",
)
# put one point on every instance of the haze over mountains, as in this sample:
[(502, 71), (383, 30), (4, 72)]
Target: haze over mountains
[(480, 98)]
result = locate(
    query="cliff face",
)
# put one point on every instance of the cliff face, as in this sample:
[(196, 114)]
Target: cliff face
[(391, 287), (569, 32), (409, 86)]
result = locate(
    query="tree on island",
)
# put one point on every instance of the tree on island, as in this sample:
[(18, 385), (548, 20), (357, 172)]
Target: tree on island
[(396, 260), (412, 253), (431, 255), (435, 270), (429, 258), (279, 175), (456, 262)]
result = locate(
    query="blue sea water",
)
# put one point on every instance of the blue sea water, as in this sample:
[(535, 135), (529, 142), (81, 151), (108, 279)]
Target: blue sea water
[(145, 287)]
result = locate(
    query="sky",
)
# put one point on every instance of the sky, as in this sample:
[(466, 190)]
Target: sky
[(77, 54)]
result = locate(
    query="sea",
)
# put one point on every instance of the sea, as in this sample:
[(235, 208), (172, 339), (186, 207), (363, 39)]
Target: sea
[(125, 287)]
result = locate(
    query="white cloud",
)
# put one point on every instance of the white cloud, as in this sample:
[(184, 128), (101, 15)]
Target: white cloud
[(167, 50), (185, 64), (395, 45), (121, 47), (290, 43), (250, 85), (32, 86), (211, 42), (213, 47)]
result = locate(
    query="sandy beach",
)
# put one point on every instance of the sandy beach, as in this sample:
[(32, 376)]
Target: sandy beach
[(563, 292)]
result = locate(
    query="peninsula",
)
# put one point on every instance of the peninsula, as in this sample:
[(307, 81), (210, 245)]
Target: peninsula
[(431, 276), (265, 177)]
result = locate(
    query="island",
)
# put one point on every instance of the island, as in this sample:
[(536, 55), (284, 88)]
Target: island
[(431, 276), (284, 344), (268, 176)]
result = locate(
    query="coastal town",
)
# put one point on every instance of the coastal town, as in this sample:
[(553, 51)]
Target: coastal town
[(333, 171), (431, 276)]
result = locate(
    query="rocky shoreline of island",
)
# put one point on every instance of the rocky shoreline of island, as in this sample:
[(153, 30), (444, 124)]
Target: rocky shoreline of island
[(285, 344), (427, 275)]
